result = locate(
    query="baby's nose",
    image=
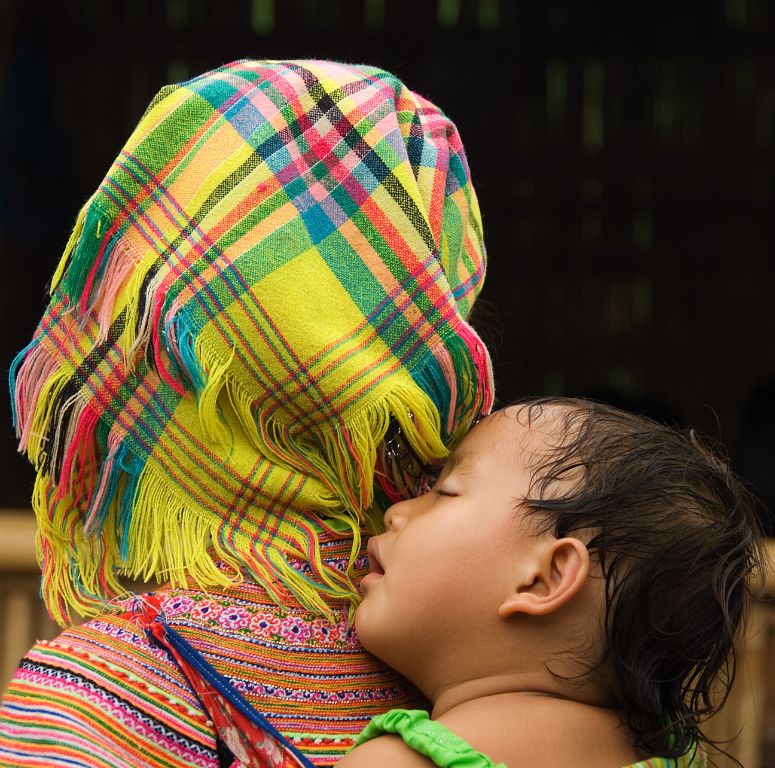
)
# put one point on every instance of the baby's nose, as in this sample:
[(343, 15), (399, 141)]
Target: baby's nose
[(395, 515)]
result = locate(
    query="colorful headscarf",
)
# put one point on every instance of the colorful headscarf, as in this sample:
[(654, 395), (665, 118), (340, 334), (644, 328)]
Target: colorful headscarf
[(276, 270)]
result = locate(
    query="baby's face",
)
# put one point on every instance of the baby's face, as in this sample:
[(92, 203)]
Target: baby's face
[(447, 557)]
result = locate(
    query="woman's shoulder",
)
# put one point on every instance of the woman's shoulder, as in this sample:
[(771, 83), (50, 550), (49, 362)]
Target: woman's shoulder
[(103, 684)]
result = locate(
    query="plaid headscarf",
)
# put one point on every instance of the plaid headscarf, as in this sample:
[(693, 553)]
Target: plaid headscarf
[(275, 271)]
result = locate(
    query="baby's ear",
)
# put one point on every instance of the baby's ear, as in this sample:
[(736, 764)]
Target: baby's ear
[(556, 574)]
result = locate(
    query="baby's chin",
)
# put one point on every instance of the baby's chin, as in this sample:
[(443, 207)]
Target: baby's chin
[(360, 625), (367, 634)]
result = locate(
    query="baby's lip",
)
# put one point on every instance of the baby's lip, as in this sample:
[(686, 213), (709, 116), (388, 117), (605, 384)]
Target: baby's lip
[(375, 561)]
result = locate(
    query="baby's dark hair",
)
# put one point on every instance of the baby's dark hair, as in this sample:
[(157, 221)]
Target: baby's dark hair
[(677, 537)]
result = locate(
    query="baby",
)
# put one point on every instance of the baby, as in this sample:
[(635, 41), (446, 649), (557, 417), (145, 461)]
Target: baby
[(568, 593)]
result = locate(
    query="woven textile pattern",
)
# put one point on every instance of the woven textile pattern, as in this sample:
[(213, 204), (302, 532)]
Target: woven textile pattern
[(277, 266), (102, 695)]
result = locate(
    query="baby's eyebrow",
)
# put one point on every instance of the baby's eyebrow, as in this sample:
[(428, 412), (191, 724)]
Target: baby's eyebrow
[(460, 462)]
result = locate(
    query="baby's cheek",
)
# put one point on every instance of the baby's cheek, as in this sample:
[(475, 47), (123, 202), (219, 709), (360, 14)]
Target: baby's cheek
[(385, 631)]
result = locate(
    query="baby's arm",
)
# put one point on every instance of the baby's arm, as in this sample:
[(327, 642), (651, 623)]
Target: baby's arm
[(384, 750)]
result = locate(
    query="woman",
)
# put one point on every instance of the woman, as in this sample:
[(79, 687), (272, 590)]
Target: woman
[(260, 312)]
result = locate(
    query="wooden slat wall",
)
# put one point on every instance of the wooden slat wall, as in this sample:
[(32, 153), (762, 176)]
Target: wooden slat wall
[(23, 620), (743, 720)]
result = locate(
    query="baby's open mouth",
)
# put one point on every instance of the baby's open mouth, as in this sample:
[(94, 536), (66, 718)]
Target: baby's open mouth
[(375, 563)]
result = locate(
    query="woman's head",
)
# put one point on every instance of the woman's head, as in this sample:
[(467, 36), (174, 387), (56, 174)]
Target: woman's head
[(278, 265)]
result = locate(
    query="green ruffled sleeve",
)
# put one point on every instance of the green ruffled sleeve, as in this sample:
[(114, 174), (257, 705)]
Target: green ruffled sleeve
[(446, 750), (427, 737), (694, 758)]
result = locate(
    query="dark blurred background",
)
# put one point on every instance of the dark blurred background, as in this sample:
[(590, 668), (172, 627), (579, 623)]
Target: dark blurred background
[(622, 152)]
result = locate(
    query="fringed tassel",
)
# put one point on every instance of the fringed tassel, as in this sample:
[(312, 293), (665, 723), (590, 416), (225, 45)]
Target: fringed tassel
[(140, 296), (343, 457), (98, 265), (163, 359), (461, 381), (241, 402), (118, 269), (449, 375), (169, 540), (37, 388), (27, 372), (210, 415), (78, 570), (171, 546), (92, 284), (86, 246), (318, 592), (77, 446), (484, 382), (324, 581), (106, 490), (75, 236), (185, 349)]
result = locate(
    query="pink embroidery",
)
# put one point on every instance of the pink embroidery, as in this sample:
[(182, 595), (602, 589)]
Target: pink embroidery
[(234, 618), (174, 606)]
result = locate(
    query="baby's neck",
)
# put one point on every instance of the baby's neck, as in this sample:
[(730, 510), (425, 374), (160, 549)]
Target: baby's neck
[(541, 728), (465, 693)]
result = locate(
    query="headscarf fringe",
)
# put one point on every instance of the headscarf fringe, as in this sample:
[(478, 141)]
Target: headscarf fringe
[(342, 456), (127, 518), (166, 539), (75, 237), (39, 384), (460, 382), (141, 293), (170, 540), (216, 379), (77, 570), (84, 254), (76, 444), (101, 264), (123, 261)]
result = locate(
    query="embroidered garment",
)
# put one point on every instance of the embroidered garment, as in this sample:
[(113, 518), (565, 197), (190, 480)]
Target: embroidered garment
[(103, 695), (251, 740), (447, 750), (276, 269)]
